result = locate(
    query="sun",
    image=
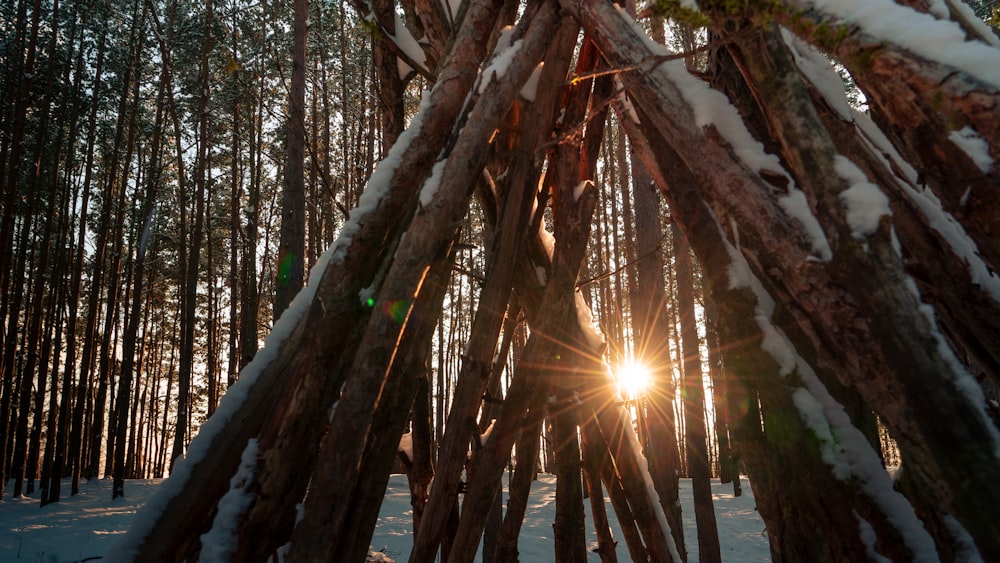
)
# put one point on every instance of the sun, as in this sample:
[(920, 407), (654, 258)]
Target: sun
[(633, 379)]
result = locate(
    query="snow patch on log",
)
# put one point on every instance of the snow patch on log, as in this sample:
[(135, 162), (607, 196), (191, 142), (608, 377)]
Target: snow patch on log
[(796, 205), (365, 294), (983, 31), (585, 318), (864, 202), (868, 538), (819, 71), (977, 149), (964, 382), (939, 219), (378, 557), (843, 446), (938, 8), (484, 438), (218, 544), (505, 52), (530, 89), (712, 108), (405, 446), (965, 546), (430, 189), (625, 102), (942, 41), (402, 68), (407, 43), (548, 241)]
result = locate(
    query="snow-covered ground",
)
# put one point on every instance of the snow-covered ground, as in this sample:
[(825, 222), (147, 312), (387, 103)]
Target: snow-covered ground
[(82, 528)]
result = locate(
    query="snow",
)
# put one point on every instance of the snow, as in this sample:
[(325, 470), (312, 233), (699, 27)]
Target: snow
[(219, 543), (940, 220), (741, 531), (585, 317), (934, 39), (406, 445), (530, 89), (965, 546), (365, 294), (819, 71), (983, 31), (499, 64), (378, 183), (545, 237), (84, 526), (641, 461), (864, 201), (868, 536), (402, 68), (626, 103), (712, 108), (974, 146), (485, 436), (796, 205), (842, 445), (407, 43), (964, 382), (430, 189)]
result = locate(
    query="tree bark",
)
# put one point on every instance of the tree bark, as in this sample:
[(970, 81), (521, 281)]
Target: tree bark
[(291, 246), (694, 406)]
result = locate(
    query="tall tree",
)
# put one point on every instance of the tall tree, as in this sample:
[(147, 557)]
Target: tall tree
[(695, 437), (13, 273), (147, 211), (291, 246)]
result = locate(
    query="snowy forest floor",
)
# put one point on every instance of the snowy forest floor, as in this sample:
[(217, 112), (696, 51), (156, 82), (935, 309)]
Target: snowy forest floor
[(83, 527)]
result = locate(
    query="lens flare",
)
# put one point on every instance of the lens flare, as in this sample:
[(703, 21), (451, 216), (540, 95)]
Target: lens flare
[(633, 379)]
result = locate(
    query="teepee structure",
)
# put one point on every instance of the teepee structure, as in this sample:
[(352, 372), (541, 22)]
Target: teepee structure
[(851, 257)]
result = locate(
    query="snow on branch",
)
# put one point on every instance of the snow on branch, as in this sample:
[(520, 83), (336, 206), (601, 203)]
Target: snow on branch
[(934, 39), (842, 445), (219, 543), (712, 108), (940, 220)]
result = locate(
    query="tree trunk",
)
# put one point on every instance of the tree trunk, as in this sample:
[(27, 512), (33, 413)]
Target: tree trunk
[(694, 407), (592, 478), (649, 321), (191, 268), (291, 247), (568, 528), (722, 391), (147, 212)]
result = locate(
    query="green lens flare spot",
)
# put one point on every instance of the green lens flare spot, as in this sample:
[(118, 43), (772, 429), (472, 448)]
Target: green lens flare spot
[(285, 267)]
